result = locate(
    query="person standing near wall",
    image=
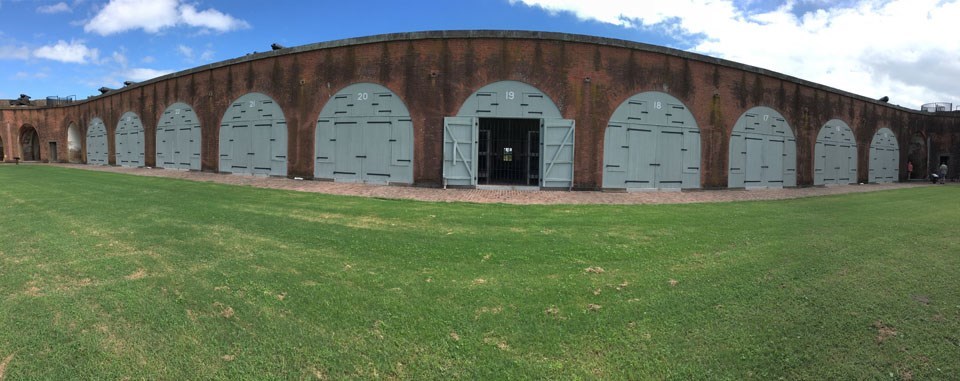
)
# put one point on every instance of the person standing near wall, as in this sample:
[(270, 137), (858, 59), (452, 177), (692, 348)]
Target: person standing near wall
[(943, 172), (909, 169)]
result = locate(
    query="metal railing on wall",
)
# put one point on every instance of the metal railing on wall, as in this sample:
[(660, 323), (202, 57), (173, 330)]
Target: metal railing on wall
[(937, 107), (61, 101)]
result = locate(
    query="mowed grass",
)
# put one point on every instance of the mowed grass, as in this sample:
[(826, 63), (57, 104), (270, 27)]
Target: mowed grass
[(109, 276)]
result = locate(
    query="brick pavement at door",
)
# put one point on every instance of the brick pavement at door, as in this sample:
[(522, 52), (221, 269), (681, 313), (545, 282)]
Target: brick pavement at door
[(502, 196)]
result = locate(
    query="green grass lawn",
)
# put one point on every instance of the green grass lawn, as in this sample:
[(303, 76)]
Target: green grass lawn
[(109, 276)]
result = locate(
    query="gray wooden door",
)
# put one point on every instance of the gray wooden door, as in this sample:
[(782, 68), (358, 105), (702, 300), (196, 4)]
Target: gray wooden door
[(97, 151), (364, 134), (460, 151), (557, 153), (128, 140), (253, 137), (652, 141), (178, 138)]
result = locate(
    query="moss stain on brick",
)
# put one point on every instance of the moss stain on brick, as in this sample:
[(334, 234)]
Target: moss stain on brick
[(781, 97), (385, 64), (757, 94), (740, 88)]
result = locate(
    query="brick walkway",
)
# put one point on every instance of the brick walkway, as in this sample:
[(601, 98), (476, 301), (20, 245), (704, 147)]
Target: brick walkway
[(501, 196)]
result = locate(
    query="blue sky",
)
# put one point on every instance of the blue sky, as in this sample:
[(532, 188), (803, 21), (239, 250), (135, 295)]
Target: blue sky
[(905, 49)]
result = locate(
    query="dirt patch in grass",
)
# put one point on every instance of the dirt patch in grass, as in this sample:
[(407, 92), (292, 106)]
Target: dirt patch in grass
[(499, 343), (594, 270), (487, 310), (139, 274), (33, 291), (377, 329), (225, 310), (111, 342), (68, 284), (884, 331), (922, 299), (3, 366), (906, 374)]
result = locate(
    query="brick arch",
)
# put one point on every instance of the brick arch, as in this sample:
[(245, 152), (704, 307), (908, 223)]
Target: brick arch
[(28, 142)]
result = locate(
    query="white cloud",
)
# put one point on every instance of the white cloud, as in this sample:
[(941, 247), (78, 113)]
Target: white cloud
[(123, 15), (905, 49), (9, 52), (54, 8), (73, 52), (148, 59), (119, 58), (21, 75), (189, 54), (152, 16), (143, 74), (185, 51), (210, 19)]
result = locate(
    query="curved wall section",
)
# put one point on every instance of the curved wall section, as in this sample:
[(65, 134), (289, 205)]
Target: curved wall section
[(652, 141), (884, 157), (97, 151), (253, 137), (763, 151), (364, 134), (178, 138), (541, 92)]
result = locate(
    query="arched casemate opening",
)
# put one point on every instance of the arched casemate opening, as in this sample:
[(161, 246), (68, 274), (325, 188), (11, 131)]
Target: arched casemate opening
[(884, 157), (128, 140), (253, 137), (763, 151), (508, 133), (74, 145), (364, 134), (835, 155), (178, 138), (651, 142), (29, 144), (917, 154), (2, 156)]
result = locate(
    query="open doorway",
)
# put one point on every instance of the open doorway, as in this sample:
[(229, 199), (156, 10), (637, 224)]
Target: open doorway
[(508, 133), (74, 148), (53, 152), (30, 145), (508, 151)]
